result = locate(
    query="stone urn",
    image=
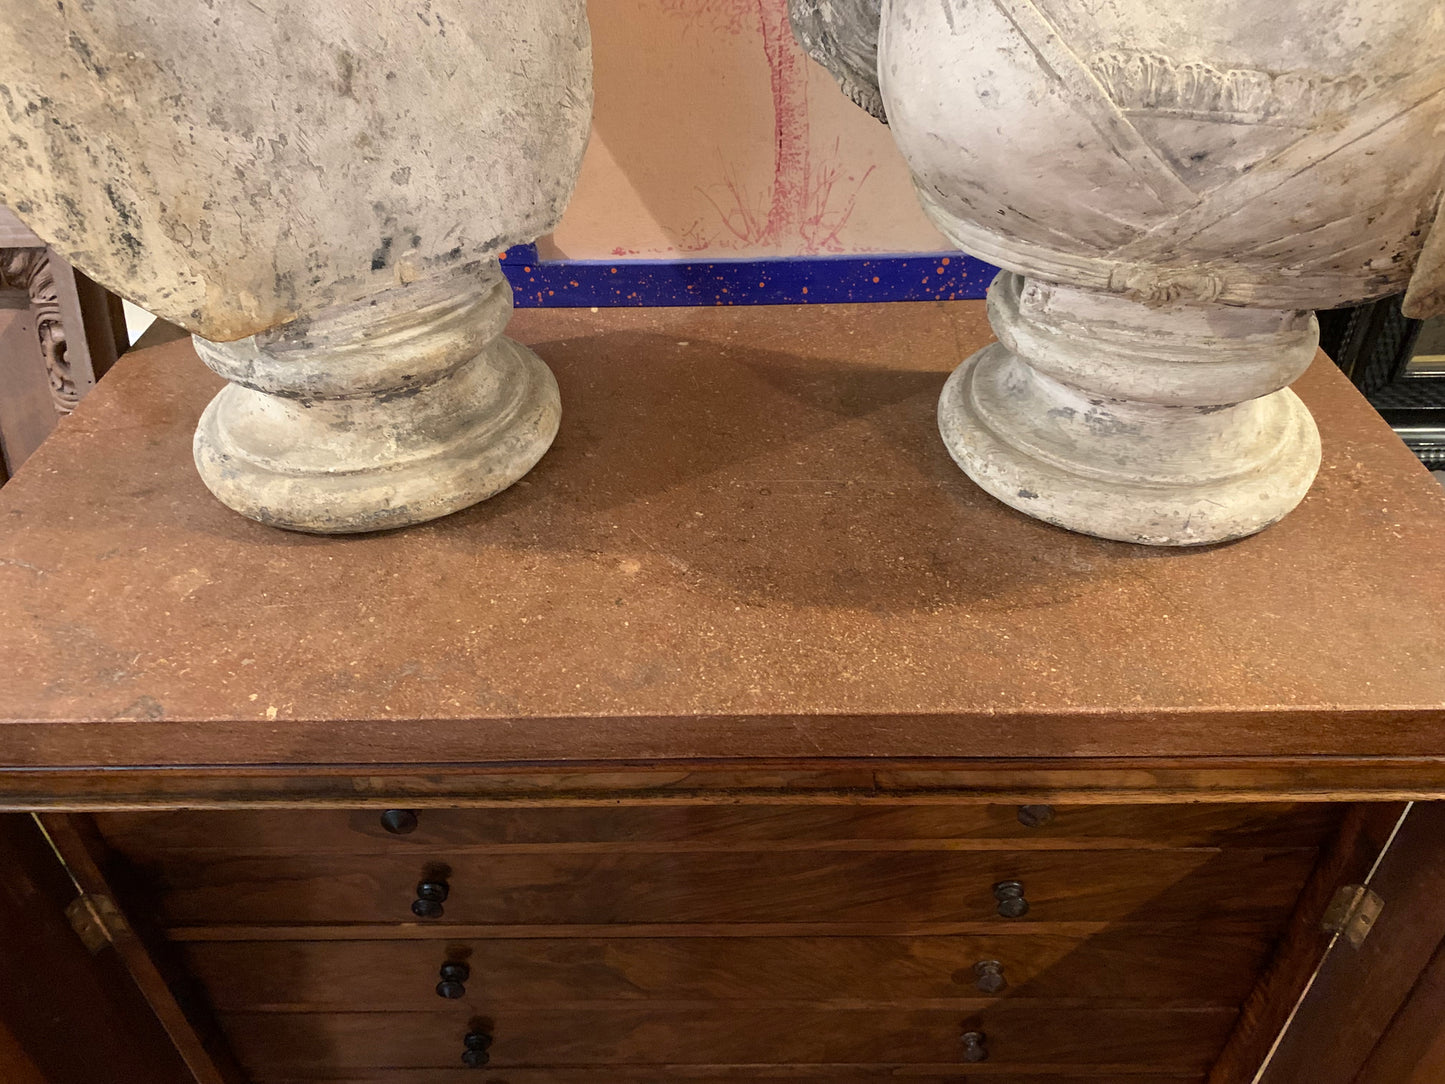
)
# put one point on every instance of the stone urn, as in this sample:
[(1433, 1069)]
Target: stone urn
[(320, 193), (1170, 190)]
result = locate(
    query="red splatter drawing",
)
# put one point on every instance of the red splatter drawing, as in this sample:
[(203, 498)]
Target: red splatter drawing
[(809, 203)]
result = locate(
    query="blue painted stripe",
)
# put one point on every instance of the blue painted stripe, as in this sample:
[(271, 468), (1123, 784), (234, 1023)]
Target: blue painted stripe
[(926, 276)]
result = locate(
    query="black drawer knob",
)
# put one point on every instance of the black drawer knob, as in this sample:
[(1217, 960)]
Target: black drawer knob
[(478, 1045), (1010, 896), (430, 895), (989, 977), (1035, 816), (454, 976), (974, 1048), (399, 822)]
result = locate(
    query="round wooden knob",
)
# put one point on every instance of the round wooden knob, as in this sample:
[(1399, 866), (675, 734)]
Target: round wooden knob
[(477, 1053), (973, 1046), (1035, 816), (1010, 896), (990, 978), (399, 822), (430, 895), (454, 975)]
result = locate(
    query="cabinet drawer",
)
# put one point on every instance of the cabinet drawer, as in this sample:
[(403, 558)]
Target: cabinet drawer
[(148, 837), (894, 887), (1028, 1036), (1145, 964)]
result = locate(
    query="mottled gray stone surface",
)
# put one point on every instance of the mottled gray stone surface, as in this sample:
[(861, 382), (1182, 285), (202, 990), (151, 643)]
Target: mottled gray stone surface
[(234, 165), (1170, 190), (842, 35)]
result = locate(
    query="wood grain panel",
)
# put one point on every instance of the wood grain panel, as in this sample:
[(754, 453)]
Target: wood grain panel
[(142, 951), (1249, 885), (1020, 1035), (1412, 1050), (146, 836), (1181, 963), (1357, 992), (1364, 831), (67, 1015), (1149, 781)]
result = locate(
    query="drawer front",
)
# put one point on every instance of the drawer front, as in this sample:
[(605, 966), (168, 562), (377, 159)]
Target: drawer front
[(1129, 963), (893, 887), (148, 837), (1027, 1036)]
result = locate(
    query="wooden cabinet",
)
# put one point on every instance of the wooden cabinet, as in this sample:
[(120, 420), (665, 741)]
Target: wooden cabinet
[(1108, 940), (746, 744)]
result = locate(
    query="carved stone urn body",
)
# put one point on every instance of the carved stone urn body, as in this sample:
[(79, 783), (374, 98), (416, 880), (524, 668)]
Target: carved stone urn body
[(319, 193), (1170, 190)]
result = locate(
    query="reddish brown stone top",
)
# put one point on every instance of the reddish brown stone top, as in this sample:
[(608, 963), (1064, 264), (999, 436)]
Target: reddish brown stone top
[(748, 541)]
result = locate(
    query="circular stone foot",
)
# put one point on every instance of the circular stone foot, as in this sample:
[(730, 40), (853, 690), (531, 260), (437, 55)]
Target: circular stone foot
[(384, 468), (1136, 472), (377, 416)]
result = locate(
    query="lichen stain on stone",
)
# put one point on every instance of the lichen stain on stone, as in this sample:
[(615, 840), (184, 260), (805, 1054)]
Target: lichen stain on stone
[(285, 285), (382, 256), (400, 394), (81, 48), (7, 98), (73, 214), (129, 221), (346, 73)]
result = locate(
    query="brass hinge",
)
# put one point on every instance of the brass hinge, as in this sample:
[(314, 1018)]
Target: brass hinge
[(1352, 913), (96, 920)]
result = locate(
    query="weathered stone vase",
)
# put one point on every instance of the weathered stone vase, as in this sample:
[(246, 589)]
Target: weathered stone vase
[(1170, 190), (320, 193)]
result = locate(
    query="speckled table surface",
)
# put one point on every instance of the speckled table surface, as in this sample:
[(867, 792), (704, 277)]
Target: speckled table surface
[(748, 542)]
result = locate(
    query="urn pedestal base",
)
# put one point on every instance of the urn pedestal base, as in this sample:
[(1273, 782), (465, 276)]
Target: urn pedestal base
[(1166, 425), (387, 412)]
